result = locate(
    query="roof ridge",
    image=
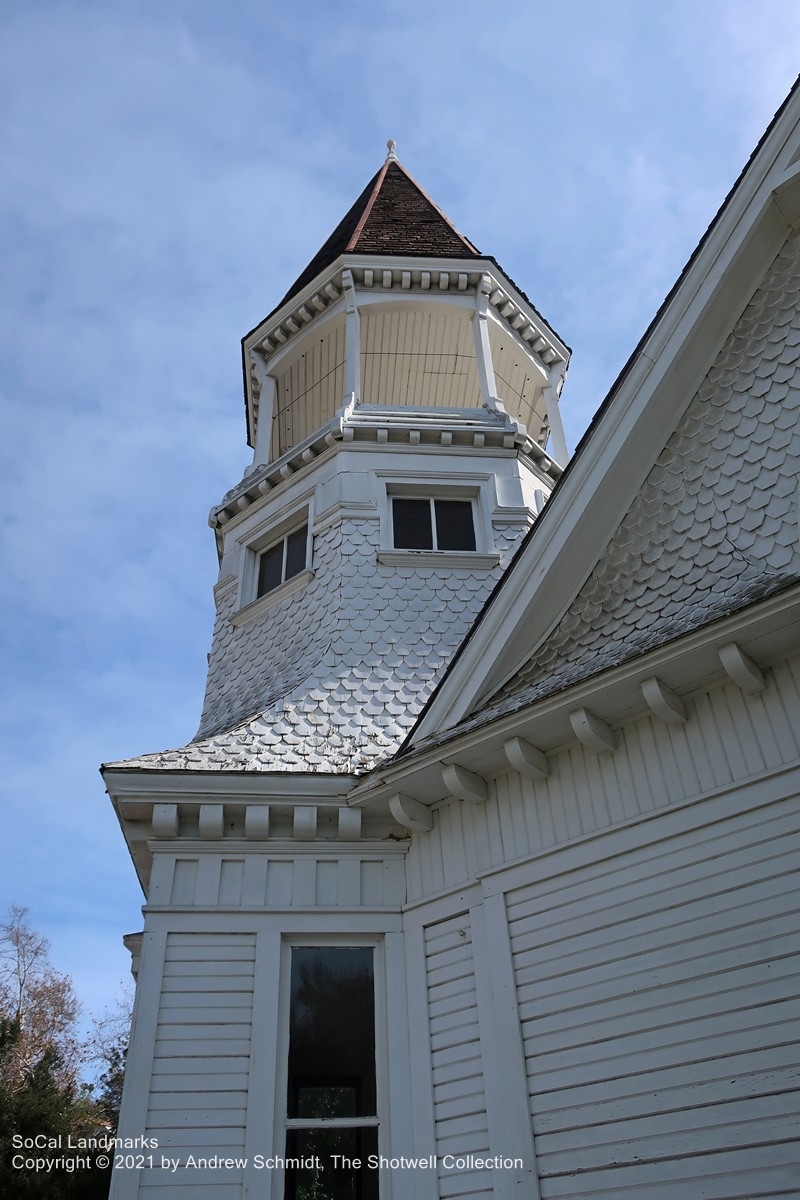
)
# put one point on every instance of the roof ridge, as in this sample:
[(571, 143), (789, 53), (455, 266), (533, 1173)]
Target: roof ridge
[(379, 178)]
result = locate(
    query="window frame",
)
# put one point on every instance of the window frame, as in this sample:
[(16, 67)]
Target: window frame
[(473, 488), (256, 543), (284, 1123), (284, 542)]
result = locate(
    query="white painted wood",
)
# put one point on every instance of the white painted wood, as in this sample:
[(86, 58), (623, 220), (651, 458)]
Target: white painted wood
[(590, 729), (144, 1029), (410, 813), (741, 668), (266, 409), (165, 820), (672, 962), (501, 1052), (256, 822), (663, 701), (526, 758), (456, 1053), (349, 826), (483, 348), (398, 1101), (211, 821), (305, 822), (464, 784), (263, 1062), (420, 1065)]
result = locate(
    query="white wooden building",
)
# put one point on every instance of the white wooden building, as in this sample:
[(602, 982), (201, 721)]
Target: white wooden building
[(484, 855)]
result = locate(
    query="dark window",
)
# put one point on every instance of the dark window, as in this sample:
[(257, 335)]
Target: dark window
[(282, 561), (412, 524), (332, 1073), (454, 527), (432, 524)]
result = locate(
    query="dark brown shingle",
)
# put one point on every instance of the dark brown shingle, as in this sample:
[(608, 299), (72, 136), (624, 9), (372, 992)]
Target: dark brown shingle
[(391, 216)]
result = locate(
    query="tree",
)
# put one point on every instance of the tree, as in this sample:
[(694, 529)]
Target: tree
[(41, 1093), (40, 1000)]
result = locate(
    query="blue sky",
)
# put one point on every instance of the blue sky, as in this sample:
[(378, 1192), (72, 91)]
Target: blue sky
[(167, 169)]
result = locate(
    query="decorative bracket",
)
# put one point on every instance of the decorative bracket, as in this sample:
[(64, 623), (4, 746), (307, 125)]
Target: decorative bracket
[(662, 701), (410, 813), (464, 784), (592, 731), (740, 667), (526, 759)]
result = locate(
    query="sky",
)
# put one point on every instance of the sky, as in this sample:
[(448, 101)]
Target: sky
[(166, 171)]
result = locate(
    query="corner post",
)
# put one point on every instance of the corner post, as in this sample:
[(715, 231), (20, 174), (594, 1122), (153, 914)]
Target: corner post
[(352, 375), (266, 409), (552, 391), (483, 348)]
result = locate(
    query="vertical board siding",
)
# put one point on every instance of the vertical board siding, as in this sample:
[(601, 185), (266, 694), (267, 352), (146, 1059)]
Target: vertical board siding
[(458, 1084), (257, 881), (198, 1096), (727, 739), (310, 390), (658, 999), (418, 358)]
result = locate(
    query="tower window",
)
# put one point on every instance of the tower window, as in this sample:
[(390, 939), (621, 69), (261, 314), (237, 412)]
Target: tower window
[(331, 1100), (282, 560), (432, 523)]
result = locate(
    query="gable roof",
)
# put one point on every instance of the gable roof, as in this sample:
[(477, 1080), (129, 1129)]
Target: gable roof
[(393, 215), (625, 439)]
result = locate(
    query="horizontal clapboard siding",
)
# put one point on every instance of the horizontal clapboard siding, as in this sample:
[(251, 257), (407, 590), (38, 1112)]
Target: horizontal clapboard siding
[(198, 1090), (458, 1084), (658, 1003)]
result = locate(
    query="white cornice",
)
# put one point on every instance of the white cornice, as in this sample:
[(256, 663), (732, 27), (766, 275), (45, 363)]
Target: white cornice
[(614, 461)]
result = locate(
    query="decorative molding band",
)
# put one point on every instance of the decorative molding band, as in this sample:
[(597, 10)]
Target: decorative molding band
[(375, 429)]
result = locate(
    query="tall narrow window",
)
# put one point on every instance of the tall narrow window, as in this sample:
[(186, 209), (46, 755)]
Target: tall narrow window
[(331, 1101), (282, 561)]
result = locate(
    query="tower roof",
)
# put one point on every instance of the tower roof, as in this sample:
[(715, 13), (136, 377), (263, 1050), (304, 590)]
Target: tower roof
[(393, 215)]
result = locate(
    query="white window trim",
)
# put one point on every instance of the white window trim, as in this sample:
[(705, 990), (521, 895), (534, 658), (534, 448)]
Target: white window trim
[(381, 1121), (254, 544), (476, 488)]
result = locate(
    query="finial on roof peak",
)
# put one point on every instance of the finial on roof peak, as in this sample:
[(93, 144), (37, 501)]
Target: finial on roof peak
[(391, 146)]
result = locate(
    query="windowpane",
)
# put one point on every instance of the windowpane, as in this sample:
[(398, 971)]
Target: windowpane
[(296, 552), (332, 1179), (454, 525), (270, 569), (332, 1033), (412, 524)]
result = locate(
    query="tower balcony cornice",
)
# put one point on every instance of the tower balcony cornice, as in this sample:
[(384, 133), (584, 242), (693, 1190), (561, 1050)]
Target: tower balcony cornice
[(366, 427), (368, 279)]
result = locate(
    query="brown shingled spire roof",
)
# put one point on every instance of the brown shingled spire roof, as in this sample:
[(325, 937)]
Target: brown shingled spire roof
[(393, 215)]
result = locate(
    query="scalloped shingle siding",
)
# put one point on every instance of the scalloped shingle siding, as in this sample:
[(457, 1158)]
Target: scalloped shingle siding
[(715, 524), (332, 678)]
